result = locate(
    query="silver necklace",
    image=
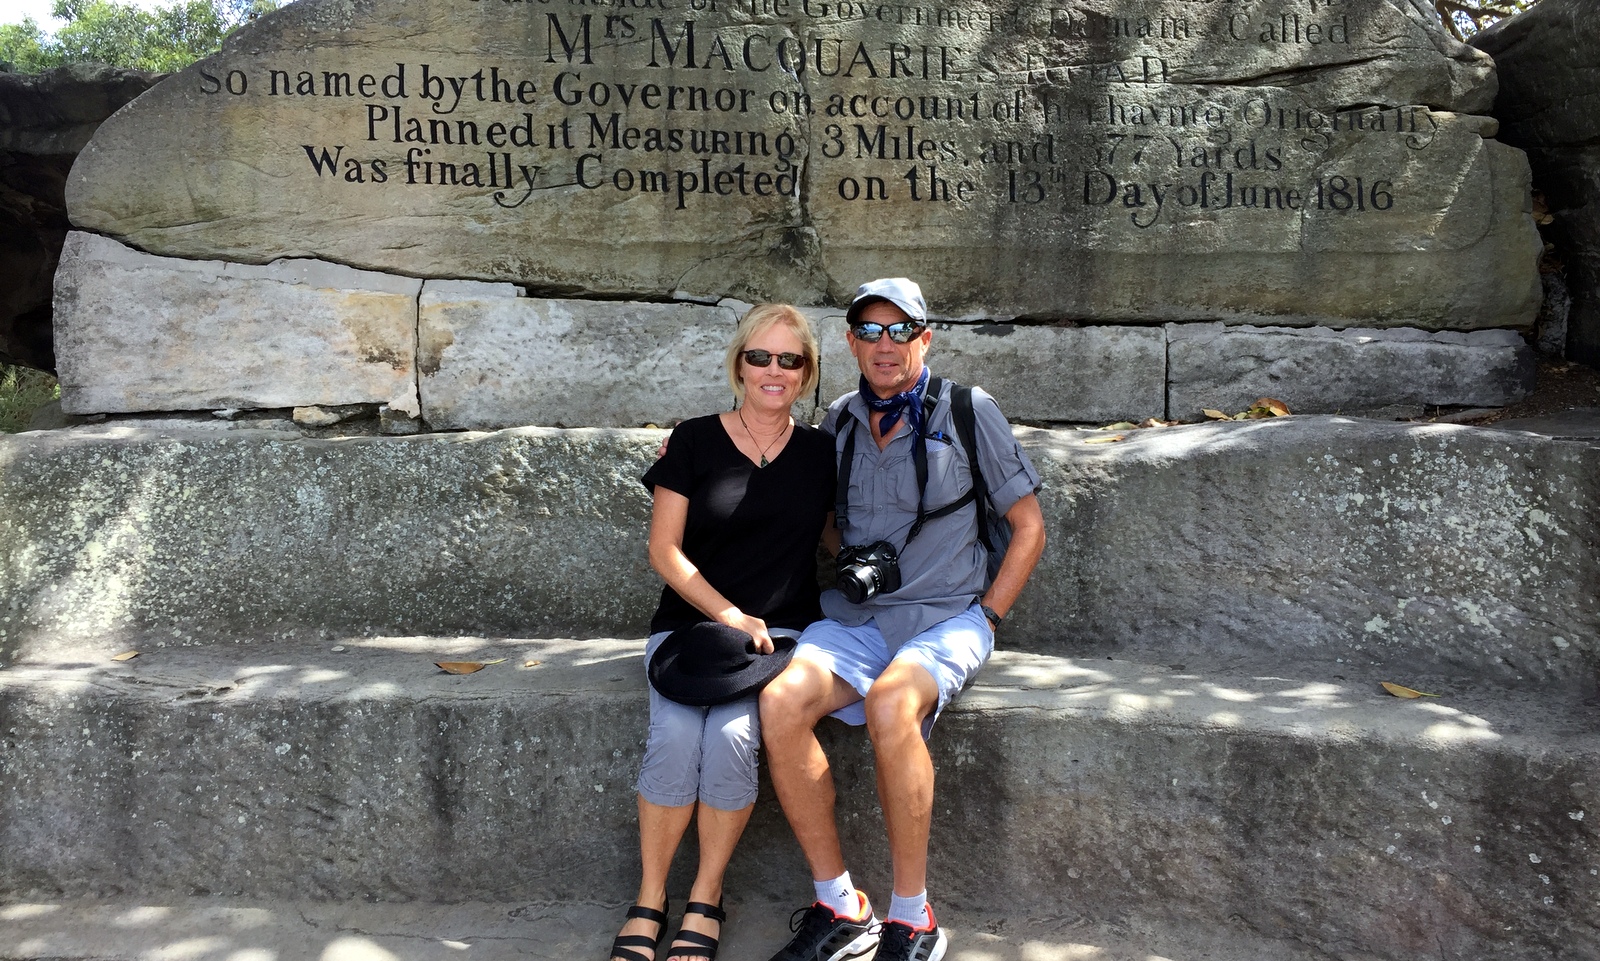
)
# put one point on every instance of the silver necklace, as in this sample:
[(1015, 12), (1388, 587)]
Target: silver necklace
[(756, 441)]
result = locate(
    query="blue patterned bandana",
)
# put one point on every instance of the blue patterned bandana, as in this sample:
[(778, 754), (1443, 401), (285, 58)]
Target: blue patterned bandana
[(908, 403)]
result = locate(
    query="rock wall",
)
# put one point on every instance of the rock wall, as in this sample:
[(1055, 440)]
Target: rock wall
[(1283, 163), (1548, 106), (45, 119), (1315, 539), (168, 334)]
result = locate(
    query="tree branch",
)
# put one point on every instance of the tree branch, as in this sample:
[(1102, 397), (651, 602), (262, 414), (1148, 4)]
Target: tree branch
[(1477, 11)]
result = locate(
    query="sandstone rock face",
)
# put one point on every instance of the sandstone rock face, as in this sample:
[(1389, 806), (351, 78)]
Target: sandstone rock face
[(45, 119), (490, 359), (1429, 549), (1320, 371), (1078, 374), (1282, 161), (1549, 106), (140, 333)]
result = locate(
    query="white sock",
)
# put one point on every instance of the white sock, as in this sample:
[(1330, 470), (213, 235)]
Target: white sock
[(839, 895), (912, 910)]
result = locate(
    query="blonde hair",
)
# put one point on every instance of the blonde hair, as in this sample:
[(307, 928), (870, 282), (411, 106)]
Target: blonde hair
[(759, 320)]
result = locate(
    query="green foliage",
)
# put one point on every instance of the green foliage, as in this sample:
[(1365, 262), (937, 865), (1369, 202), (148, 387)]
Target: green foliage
[(23, 46), (23, 391), (121, 34)]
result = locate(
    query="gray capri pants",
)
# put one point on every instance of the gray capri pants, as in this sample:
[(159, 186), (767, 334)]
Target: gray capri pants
[(704, 753)]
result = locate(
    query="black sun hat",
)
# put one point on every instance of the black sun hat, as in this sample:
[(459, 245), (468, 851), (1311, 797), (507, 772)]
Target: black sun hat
[(710, 663)]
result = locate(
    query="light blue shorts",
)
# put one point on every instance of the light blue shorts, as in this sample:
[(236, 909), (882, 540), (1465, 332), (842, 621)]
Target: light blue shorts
[(952, 651), (707, 754)]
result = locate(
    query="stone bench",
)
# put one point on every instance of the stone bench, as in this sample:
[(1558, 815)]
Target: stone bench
[(1311, 805)]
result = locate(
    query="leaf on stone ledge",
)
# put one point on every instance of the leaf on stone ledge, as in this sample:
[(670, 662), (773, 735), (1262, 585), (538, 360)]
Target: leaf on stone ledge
[(1119, 425), (459, 667), (1404, 692), (1541, 209), (1214, 414), (531, 663), (1273, 406), (1104, 440), (125, 656)]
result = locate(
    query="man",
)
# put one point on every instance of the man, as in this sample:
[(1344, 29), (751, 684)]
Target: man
[(896, 659)]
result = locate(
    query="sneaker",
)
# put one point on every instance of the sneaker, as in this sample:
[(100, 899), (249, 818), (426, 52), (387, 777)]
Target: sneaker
[(899, 941), (821, 935)]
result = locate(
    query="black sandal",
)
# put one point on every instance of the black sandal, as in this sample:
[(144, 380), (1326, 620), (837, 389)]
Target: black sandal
[(626, 944), (700, 945)]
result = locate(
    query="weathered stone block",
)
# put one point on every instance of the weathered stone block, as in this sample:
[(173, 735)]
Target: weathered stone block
[(1107, 161), (1036, 373), (1317, 538), (1429, 550), (492, 359), (240, 533), (137, 332), (1319, 371)]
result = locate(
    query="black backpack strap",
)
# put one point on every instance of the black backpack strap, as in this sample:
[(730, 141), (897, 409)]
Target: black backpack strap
[(838, 420), (919, 457), (967, 430), (843, 421), (847, 459)]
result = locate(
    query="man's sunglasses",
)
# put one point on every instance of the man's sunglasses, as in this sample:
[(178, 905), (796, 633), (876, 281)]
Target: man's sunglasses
[(902, 333), (764, 358)]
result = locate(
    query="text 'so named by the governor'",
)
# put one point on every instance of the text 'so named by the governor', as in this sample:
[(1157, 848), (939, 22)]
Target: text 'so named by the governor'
[(1039, 111)]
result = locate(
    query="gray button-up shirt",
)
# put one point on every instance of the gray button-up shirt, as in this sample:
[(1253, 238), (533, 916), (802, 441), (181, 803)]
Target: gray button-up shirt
[(943, 570)]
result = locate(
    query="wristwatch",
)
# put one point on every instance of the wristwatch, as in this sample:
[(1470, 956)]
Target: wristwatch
[(994, 619)]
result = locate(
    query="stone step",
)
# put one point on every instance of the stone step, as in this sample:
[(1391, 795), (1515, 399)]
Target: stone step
[(574, 930), (1301, 804)]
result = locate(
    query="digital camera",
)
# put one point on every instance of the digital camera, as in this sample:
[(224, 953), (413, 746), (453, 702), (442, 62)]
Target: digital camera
[(865, 572)]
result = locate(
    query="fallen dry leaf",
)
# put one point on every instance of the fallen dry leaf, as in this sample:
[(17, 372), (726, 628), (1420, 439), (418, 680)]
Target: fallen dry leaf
[(1541, 209), (1119, 425), (459, 667), (1271, 405), (1104, 440), (1405, 692), (530, 663), (1215, 414), (125, 656)]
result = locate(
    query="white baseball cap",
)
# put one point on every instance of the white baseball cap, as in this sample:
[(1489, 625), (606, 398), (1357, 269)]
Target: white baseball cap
[(899, 291)]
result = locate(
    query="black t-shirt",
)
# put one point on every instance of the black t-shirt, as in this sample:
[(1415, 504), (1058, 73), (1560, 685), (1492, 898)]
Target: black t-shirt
[(752, 532)]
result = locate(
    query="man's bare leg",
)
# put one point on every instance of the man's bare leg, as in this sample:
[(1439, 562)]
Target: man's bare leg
[(791, 706), (899, 699)]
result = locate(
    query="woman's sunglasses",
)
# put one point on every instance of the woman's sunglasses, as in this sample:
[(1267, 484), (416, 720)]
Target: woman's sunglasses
[(764, 358), (902, 333)]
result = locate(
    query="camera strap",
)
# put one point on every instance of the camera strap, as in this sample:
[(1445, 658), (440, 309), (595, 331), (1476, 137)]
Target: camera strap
[(919, 461)]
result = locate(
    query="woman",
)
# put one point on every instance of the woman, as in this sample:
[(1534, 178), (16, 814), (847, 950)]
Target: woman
[(741, 501)]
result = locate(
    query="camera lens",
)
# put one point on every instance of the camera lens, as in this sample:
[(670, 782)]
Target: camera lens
[(858, 583)]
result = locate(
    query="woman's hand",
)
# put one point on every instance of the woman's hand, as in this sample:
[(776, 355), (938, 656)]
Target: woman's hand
[(754, 626)]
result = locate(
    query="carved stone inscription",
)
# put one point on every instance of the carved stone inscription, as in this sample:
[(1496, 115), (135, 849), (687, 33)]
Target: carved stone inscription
[(785, 148)]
